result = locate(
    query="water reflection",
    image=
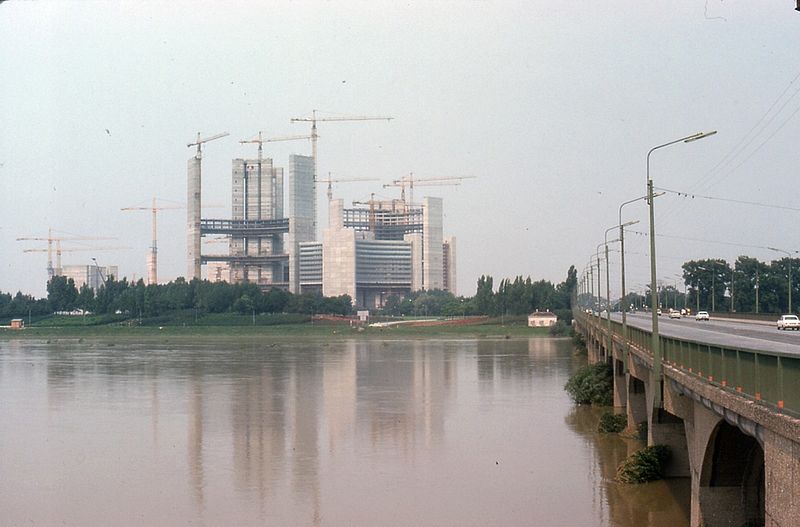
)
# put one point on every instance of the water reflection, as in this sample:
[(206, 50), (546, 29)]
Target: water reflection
[(661, 503), (303, 433)]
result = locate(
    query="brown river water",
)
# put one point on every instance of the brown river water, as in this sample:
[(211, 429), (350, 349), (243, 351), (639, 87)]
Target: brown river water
[(347, 433)]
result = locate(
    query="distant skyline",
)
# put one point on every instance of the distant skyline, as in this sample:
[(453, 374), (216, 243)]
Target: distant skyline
[(552, 105)]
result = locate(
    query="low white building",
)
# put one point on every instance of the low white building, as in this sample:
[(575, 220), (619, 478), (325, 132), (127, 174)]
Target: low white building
[(539, 319)]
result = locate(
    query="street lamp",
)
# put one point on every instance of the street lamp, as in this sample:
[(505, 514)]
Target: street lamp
[(789, 261), (655, 344), (599, 284), (608, 286), (684, 291)]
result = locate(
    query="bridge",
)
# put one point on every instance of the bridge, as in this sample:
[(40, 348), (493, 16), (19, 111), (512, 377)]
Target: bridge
[(729, 410), (242, 228)]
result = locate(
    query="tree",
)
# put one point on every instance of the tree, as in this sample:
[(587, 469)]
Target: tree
[(86, 298), (484, 296), (709, 279), (61, 293)]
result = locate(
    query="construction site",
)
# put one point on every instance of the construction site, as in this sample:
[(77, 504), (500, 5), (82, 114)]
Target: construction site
[(368, 250)]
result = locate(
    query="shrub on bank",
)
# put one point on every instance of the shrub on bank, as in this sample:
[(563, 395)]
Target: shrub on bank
[(644, 465), (579, 342), (593, 384), (612, 423), (559, 329)]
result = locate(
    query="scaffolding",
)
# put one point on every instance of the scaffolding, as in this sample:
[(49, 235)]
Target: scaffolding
[(387, 219)]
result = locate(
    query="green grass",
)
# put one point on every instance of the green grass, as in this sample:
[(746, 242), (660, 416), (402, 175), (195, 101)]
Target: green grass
[(272, 326)]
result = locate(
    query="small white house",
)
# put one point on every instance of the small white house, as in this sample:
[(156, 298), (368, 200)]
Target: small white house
[(539, 319)]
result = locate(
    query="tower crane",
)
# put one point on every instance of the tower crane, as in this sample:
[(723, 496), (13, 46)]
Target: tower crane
[(59, 250), (314, 120), (329, 181), (411, 180), (199, 142), (152, 263), (56, 271), (259, 139)]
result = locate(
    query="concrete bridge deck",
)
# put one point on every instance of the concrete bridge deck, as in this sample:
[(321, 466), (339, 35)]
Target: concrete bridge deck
[(730, 402)]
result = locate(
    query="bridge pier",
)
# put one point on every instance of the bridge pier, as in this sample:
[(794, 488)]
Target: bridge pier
[(636, 407), (782, 480), (620, 385)]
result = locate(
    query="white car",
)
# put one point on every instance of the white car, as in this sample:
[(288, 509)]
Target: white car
[(675, 314), (702, 315), (789, 322)]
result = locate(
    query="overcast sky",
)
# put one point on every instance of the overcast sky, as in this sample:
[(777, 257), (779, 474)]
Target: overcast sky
[(552, 105)]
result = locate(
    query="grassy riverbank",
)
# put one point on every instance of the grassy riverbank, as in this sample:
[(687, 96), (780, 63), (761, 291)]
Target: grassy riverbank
[(236, 325)]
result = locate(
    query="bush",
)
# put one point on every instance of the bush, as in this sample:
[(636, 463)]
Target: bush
[(644, 465), (593, 384), (559, 329), (579, 342), (612, 423)]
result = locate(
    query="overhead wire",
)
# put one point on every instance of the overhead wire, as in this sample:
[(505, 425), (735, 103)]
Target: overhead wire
[(729, 200), (718, 171)]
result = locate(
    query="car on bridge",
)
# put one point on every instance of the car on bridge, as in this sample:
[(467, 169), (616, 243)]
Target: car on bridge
[(675, 314), (789, 322), (702, 315)]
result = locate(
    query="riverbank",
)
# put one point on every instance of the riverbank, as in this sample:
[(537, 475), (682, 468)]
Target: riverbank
[(320, 330)]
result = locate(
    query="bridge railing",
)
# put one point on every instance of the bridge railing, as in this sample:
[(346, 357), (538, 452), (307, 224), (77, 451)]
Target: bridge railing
[(765, 377)]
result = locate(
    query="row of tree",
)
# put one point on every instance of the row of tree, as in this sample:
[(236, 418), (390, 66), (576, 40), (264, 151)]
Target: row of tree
[(748, 285), (512, 297), (21, 306), (138, 299)]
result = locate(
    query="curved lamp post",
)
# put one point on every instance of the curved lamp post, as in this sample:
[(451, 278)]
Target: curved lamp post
[(655, 344)]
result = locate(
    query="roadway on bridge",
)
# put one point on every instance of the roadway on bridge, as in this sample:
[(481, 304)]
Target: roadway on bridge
[(724, 333)]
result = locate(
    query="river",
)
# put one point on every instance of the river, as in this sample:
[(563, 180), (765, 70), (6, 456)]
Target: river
[(358, 432)]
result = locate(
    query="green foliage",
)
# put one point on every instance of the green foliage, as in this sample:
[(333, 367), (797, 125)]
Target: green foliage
[(579, 342), (592, 384), (61, 293), (644, 465), (714, 277), (484, 296), (559, 329), (612, 423), (20, 306)]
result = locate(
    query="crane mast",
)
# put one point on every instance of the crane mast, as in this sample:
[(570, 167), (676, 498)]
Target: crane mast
[(411, 179), (56, 271), (314, 120), (330, 181), (152, 263)]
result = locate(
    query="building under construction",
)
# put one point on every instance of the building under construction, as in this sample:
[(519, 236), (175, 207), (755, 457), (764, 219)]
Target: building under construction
[(379, 249), (373, 250)]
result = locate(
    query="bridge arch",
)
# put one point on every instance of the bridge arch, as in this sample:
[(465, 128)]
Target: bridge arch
[(732, 484)]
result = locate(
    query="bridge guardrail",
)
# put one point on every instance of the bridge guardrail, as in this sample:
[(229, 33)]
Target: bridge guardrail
[(768, 378)]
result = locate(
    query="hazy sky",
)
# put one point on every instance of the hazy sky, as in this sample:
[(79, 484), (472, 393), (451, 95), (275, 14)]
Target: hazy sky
[(552, 105)]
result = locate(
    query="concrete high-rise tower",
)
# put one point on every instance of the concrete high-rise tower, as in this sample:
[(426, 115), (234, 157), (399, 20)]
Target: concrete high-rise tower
[(432, 271), (257, 194), (193, 245), (302, 207)]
